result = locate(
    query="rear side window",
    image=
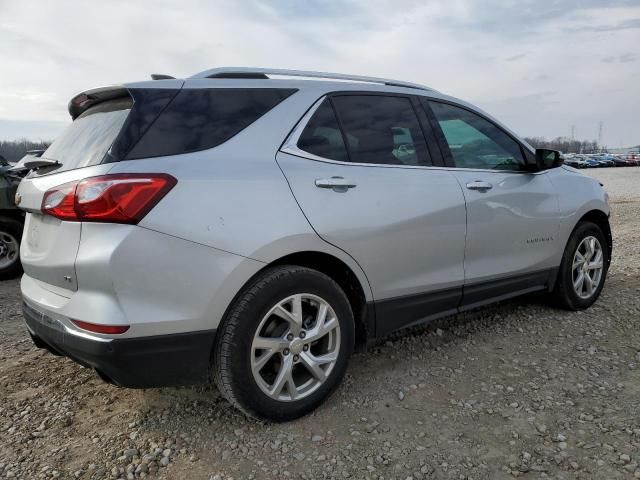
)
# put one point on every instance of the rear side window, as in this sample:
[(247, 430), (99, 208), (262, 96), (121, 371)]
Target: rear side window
[(322, 135), (86, 141), (198, 119), (475, 142), (381, 130)]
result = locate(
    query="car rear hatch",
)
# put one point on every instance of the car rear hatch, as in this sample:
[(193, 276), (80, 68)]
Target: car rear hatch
[(103, 129)]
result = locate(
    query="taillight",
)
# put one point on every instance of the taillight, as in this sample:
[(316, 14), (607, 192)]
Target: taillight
[(117, 198), (59, 201), (94, 327)]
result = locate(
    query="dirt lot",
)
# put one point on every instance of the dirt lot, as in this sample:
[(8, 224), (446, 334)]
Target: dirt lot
[(519, 389)]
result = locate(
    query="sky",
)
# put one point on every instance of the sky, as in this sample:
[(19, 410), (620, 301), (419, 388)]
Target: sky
[(542, 67)]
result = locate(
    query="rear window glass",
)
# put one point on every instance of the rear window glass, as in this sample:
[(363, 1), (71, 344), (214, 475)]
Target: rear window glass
[(198, 119), (382, 130), (86, 141)]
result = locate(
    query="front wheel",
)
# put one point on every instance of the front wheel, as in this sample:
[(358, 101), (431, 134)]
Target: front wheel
[(583, 269), (10, 234), (284, 344)]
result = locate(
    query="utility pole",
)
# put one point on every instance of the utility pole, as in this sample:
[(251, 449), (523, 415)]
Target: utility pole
[(600, 125)]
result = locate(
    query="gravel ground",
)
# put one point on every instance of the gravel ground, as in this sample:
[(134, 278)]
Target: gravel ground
[(518, 389)]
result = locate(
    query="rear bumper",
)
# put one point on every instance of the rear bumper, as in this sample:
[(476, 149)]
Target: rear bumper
[(141, 362)]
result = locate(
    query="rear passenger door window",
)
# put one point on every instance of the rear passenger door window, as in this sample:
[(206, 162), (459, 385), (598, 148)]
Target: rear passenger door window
[(475, 142), (381, 130)]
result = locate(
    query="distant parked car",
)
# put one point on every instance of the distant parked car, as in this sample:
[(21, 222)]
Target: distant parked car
[(11, 218), (581, 161), (634, 157), (622, 162), (592, 162), (575, 162), (606, 162)]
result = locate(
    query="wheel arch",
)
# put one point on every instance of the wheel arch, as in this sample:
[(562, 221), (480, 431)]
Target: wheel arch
[(12, 214), (602, 220), (343, 275)]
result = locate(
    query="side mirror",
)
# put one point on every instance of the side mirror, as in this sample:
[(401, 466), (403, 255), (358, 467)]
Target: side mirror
[(547, 159)]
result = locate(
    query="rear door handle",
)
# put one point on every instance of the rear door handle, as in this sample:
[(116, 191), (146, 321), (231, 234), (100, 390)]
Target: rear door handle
[(480, 185), (338, 184)]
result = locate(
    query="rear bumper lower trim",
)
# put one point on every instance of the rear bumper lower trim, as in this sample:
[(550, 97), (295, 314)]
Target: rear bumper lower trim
[(142, 362)]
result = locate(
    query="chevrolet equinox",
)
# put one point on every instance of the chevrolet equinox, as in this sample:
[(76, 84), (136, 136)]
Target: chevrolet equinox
[(255, 226)]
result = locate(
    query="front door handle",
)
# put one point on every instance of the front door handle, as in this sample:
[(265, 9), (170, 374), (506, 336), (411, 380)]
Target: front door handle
[(337, 184), (480, 185)]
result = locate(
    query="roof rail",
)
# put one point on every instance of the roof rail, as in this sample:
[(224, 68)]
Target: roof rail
[(261, 73)]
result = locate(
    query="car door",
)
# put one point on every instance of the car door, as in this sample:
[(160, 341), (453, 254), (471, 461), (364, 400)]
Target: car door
[(512, 209), (369, 189)]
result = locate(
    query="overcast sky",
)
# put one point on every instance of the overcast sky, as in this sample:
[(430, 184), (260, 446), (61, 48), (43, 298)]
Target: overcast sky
[(540, 66)]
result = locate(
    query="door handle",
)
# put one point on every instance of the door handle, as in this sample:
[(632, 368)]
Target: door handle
[(337, 184), (479, 185)]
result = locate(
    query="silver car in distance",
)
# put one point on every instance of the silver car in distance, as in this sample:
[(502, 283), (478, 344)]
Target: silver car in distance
[(256, 226)]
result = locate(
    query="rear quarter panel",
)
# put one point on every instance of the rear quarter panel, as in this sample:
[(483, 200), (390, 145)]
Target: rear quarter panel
[(235, 198)]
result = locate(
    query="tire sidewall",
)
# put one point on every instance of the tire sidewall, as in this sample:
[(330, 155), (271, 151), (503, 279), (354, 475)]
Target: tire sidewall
[(13, 228), (245, 388), (583, 230)]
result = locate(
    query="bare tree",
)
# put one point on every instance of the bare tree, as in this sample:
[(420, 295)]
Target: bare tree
[(14, 150), (567, 145)]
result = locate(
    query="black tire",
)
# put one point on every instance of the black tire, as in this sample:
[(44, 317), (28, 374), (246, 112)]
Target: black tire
[(14, 229), (232, 349), (564, 294)]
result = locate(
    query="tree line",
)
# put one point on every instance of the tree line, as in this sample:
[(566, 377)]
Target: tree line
[(566, 145), (14, 150)]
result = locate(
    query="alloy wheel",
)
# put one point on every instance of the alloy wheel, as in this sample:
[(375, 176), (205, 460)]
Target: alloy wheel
[(9, 250), (295, 347), (587, 267)]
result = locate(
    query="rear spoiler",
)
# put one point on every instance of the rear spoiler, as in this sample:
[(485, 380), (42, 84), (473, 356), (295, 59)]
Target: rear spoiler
[(88, 98)]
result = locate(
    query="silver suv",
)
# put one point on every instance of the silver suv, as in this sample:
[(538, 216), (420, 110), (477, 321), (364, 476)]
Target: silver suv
[(256, 226)]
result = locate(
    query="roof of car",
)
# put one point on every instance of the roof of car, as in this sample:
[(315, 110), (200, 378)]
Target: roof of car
[(267, 73), (255, 77)]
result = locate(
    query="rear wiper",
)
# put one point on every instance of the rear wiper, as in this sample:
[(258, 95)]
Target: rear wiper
[(37, 163), (36, 153)]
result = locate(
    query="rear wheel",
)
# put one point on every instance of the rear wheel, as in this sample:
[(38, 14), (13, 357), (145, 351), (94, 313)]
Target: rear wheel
[(583, 269), (10, 234), (285, 343)]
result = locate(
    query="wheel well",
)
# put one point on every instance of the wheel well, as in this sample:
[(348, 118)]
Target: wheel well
[(343, 276), (602, 220), (13, 214)]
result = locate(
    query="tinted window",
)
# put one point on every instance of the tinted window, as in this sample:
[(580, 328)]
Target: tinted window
[(198, 119), (381, 130), (86, 141), (322, 135), (475, 142)]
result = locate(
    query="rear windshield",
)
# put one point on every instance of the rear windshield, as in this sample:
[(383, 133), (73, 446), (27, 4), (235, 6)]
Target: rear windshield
[(86, 141)]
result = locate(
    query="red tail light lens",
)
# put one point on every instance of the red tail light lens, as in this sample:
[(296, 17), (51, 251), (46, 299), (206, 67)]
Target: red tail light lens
[(59, 201), (94, 327), (118, 198)]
